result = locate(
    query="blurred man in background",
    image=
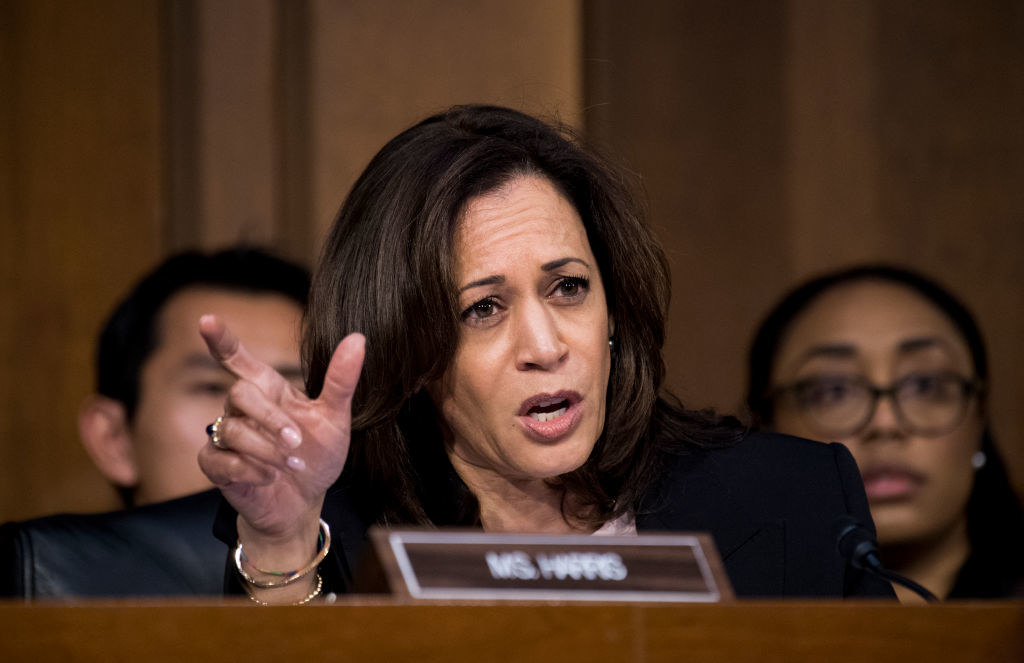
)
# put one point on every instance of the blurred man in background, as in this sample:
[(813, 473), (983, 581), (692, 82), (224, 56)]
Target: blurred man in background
[(157, 386), (157, 390)]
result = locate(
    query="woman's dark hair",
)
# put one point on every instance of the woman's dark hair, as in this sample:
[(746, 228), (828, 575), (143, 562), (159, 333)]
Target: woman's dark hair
[(387, 271), (994, 518)]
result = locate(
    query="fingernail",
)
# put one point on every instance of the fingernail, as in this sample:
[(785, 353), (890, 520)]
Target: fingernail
[(291, 437), (296, 463)]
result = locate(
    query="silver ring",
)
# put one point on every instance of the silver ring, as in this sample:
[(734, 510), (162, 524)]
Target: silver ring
[(213, 430)]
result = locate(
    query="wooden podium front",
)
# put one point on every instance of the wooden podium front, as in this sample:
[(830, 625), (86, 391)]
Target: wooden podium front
[(357, 629)]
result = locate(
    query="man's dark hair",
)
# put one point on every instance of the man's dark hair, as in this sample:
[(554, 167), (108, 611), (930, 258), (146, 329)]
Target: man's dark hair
[(130, 334)]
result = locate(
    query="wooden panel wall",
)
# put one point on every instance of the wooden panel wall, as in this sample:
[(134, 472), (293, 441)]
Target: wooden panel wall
[(81, 217), (378, 67), (692, 95), (276, 106), (777, 140)]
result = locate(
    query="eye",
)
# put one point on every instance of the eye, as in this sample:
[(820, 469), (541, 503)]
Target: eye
[(571, 287), (210, 388), (930, 386), (480, 310), (826, 391)]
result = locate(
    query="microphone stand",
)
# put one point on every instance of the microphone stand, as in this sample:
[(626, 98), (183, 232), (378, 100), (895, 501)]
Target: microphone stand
[(858, 546)]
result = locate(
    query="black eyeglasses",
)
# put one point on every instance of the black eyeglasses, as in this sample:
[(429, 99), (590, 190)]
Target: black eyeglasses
[(927, 404)]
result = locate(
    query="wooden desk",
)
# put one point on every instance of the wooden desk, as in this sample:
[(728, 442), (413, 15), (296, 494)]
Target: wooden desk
[(363, 630)]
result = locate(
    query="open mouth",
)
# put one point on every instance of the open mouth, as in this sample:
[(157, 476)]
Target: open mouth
[(550, 417), (549, 409)]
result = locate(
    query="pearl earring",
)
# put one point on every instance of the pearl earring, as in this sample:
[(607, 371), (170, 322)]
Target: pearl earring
[(978, 460)]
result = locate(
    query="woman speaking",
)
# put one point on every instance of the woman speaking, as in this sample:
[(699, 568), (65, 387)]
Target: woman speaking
[(483, 348)]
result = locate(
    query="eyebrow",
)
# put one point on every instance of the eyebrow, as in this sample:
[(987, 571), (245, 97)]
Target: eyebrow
[(833, 350), (197, 360), (489, 280), (849, 351), (500, 278), (917, 344), (206, 362), (555, 264)]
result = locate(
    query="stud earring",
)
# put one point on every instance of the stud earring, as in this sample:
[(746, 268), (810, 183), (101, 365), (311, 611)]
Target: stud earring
[(978, 460), (611, 343)]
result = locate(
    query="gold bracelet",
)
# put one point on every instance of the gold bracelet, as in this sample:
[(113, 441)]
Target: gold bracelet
[(289, 576), (312, 595)]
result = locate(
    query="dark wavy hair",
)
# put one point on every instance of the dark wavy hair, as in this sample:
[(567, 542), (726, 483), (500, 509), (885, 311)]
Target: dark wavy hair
[(387, 271), (995, 521)]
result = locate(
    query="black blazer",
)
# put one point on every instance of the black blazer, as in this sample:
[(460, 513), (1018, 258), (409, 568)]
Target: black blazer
[(165, 549), (770, 502)]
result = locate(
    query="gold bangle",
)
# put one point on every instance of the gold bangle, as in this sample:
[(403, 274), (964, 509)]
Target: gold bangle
[(289, 576), (312, 595)]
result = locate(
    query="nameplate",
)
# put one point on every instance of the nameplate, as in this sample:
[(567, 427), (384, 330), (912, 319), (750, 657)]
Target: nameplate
[(472, 565)]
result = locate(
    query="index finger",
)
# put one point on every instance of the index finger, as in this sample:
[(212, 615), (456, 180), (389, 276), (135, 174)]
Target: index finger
[(225, 347)]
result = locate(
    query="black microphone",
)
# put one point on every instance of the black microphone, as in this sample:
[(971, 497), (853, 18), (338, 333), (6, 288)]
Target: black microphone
[(857, 545)]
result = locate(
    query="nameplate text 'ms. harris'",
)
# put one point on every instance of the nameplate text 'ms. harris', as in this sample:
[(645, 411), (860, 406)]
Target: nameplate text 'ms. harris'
[(473, 565)]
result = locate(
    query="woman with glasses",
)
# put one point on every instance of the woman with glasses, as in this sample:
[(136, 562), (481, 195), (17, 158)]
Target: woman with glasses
[(894, 367)]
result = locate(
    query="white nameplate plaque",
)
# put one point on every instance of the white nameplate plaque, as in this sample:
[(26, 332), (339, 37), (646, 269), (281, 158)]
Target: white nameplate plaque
[(473, 565)]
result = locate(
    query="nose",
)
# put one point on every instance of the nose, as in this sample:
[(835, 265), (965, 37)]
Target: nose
[(884, 422), (539, 340)]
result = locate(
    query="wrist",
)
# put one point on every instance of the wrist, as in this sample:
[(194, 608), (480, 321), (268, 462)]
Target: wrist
[(257, 597), (283, 570), (290, 549)]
